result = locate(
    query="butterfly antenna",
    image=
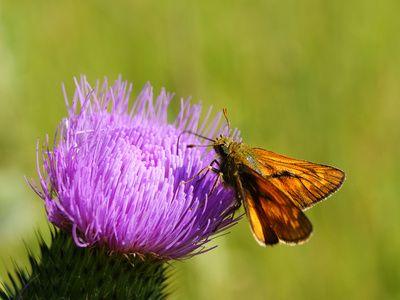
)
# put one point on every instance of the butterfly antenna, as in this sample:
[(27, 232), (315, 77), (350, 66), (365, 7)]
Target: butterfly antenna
[(195, 134), (194, 146), (225, 111)]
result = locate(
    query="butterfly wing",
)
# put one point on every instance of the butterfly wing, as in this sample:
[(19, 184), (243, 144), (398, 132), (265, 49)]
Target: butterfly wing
[(273, 216), (303, 182)]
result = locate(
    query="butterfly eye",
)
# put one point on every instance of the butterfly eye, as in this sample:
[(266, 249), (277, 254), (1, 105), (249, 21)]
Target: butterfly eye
[(225, 149)]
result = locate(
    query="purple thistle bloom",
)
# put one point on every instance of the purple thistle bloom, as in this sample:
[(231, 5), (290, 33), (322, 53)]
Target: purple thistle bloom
[(115, 176)]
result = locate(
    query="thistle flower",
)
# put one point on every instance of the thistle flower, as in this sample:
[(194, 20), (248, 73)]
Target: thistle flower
[(117, 176)]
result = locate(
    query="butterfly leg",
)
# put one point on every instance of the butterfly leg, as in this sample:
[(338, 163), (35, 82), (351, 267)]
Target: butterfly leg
[(205, 169), (211, 168), (240, 193), (217, 180)]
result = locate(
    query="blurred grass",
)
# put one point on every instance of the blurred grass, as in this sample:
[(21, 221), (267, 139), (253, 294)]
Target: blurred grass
[(314, 79)]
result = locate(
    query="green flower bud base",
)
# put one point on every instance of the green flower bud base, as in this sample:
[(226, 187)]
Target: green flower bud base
[(65, 271)]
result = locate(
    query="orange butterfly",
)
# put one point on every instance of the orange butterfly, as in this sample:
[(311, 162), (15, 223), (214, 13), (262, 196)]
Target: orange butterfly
[(275, 189)]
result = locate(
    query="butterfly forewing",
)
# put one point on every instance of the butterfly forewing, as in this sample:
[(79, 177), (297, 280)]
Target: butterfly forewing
[(303, 182)]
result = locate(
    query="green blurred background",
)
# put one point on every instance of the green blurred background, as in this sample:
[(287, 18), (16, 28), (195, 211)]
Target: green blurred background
[(313, 79)]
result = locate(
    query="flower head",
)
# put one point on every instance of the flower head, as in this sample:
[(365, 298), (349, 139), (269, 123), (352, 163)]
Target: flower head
[(117, 176)]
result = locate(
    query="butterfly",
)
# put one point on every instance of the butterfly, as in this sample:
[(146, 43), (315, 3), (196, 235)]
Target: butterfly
[(274, 189)]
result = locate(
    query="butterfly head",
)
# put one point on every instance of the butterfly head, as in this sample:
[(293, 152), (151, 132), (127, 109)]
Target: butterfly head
[(222, 145)]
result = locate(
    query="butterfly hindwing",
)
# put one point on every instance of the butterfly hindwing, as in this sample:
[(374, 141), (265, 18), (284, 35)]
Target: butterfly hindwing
[(273, 216), (260, 227)]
